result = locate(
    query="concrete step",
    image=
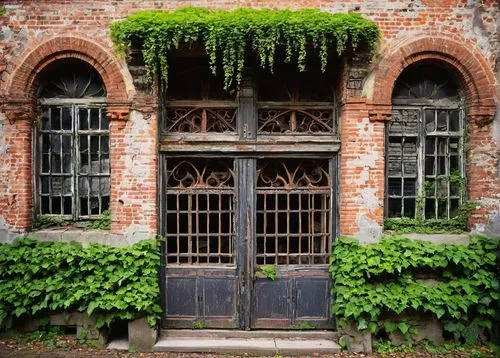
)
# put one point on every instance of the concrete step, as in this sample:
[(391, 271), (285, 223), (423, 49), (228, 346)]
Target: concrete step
[(228, 333), (247, 342)]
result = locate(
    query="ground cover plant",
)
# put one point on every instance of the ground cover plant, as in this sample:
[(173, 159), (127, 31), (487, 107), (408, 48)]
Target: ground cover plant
[(378, 285), (39, 277)]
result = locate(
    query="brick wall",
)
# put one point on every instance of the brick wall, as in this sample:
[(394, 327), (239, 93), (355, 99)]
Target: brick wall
[(470, 26)]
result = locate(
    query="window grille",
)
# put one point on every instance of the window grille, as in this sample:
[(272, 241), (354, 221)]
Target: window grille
[(200, 211), (293, 211)]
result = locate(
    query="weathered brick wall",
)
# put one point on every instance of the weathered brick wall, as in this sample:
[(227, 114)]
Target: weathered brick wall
[(470, 24)]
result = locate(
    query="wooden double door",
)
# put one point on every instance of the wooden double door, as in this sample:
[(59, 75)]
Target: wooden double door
[(247, 241)]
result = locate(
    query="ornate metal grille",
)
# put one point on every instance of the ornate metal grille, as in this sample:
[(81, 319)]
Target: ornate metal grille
[(293, 211), (200, 211), (200, 120), (73, 175), (289, 120)]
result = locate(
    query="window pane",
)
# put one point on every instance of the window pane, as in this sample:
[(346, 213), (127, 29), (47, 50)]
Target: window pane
[(94, 118), (430, 123), (430, 209), (45, 118), (55, 119), (83, 118), (410, 187), (394, 186), (430, 145), (395, 207), (409, 211), (104, 120), (454, 120), (442, 121), (67, 119)]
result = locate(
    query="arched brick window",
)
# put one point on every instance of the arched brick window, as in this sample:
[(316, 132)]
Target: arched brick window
[(424, 145), (72, 177)]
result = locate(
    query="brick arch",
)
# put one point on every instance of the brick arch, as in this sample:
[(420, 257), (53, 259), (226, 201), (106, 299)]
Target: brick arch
[(23, 81), (471, 69)]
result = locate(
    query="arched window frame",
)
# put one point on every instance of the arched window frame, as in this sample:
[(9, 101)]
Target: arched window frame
[(425, 141), (74, 183)]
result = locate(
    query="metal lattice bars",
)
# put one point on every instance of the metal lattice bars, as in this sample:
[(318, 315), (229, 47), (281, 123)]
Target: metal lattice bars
[(200, 211), (293, 211)]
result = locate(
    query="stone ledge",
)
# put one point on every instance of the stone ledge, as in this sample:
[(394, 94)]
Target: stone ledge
[(463, 239), (83, 236)]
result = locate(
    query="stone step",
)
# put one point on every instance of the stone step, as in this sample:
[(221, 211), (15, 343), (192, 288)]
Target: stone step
[(227, 333), (247, 342), (251, 346)]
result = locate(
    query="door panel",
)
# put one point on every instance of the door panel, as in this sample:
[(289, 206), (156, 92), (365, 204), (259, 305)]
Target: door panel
[(182, 298), (271, 307), (199, 298), (218, 297)]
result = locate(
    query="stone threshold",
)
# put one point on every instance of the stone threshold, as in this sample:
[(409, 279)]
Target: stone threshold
[(256, 343), (248, 342)]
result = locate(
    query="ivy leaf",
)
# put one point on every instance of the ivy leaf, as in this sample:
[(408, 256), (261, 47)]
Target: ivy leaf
[(389, 327), (403, 327)]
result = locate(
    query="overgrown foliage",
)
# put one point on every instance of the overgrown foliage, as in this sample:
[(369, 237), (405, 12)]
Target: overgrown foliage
[(45, 221), (455, 225), (103, 223), (228, 36), (378, 285), (118, 283)]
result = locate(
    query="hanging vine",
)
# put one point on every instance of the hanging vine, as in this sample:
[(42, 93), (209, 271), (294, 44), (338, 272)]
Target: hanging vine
[(228, 35)]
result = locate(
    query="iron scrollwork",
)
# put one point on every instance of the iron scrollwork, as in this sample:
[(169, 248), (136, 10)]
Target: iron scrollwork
[(293, 174), (287, 120), (205, 173), (200, 120)]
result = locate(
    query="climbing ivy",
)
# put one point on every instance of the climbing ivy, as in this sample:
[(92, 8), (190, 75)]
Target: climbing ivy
[(228, 36), (375, 285), (38, 277)]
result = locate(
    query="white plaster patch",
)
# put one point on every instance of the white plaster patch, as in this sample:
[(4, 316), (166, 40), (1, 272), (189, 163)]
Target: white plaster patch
[(368, 199), (369, 230)]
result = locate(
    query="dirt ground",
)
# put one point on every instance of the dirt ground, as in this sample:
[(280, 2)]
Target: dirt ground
[(67, 347)]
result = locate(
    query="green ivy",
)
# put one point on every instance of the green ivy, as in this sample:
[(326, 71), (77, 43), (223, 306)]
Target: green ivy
[(117, 283), (454, 225), (228, 36), (45, 221), (373, 283), (269, 271), (103, 223)]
